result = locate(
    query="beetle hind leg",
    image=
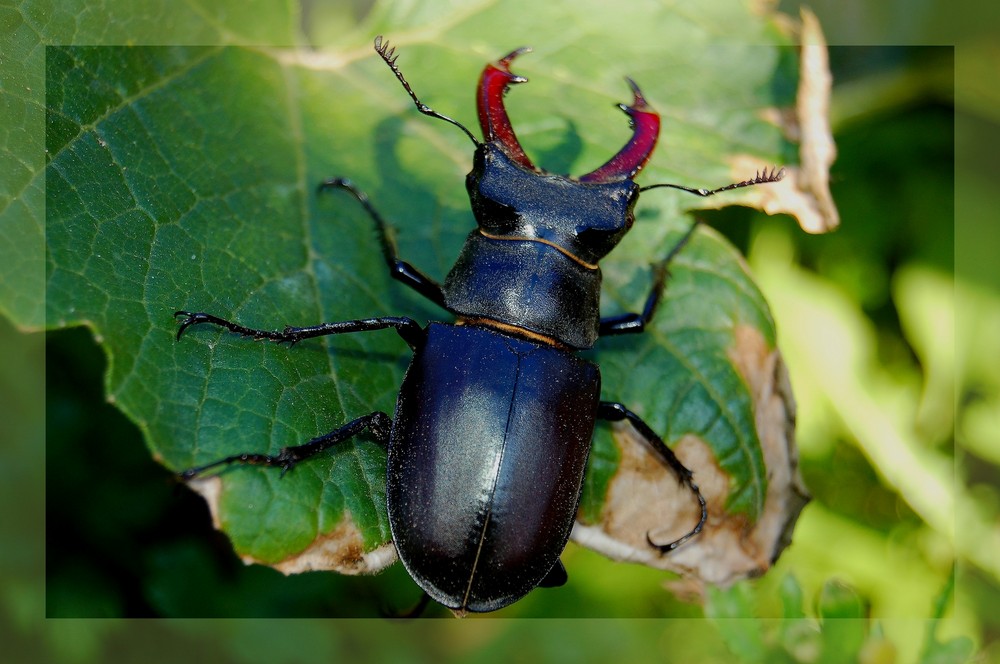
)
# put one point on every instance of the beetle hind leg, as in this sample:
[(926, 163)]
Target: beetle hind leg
[(378, 424), (616, 412), (416, 612), (556, 577)]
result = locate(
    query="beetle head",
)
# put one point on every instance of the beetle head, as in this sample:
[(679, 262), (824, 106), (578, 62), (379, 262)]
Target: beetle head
[(513, 199)]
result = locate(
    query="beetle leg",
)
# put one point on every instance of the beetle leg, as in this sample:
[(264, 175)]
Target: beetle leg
[(399, 269), (415, 612), (377, 423), (556, 577), (407, 328), (634, 323), (616, 412)]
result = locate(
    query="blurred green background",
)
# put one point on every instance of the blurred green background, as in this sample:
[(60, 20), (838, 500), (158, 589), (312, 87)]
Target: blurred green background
[(892, 346)]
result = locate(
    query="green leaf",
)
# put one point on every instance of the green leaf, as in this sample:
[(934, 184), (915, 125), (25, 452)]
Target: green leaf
[(728, 609), (184, 178), (842, 612), (790, 593), (686, 360), (22, 163), (944, 651)]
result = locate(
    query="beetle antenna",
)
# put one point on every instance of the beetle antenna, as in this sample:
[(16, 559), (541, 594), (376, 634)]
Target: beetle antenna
[(761, 177), (388, 54), (415, 612)]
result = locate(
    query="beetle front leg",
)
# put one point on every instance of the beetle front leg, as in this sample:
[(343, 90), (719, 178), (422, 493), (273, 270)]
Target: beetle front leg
[(399, 269), (377, 424), (635, 323), (407, 328), (616, 412)]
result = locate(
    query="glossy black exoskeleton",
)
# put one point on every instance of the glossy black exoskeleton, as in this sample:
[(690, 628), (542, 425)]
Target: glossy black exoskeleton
[(492, 429)]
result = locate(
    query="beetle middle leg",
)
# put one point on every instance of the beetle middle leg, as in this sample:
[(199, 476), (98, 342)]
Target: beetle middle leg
[(616, 412), (633, 323)]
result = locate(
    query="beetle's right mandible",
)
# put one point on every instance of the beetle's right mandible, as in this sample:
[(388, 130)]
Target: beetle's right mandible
[(493, 118)]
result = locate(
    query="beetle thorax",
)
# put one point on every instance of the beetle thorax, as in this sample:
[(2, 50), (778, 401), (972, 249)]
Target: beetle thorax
[(532, 262)]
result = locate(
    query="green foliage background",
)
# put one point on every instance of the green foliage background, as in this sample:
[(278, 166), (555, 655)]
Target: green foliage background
[(881, 329), (184, 178)]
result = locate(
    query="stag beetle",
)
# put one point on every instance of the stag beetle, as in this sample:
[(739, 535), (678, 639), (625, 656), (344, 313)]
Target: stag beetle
[(492, 429)]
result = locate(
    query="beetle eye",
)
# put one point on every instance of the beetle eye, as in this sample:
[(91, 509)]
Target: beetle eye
[(494, 217)]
